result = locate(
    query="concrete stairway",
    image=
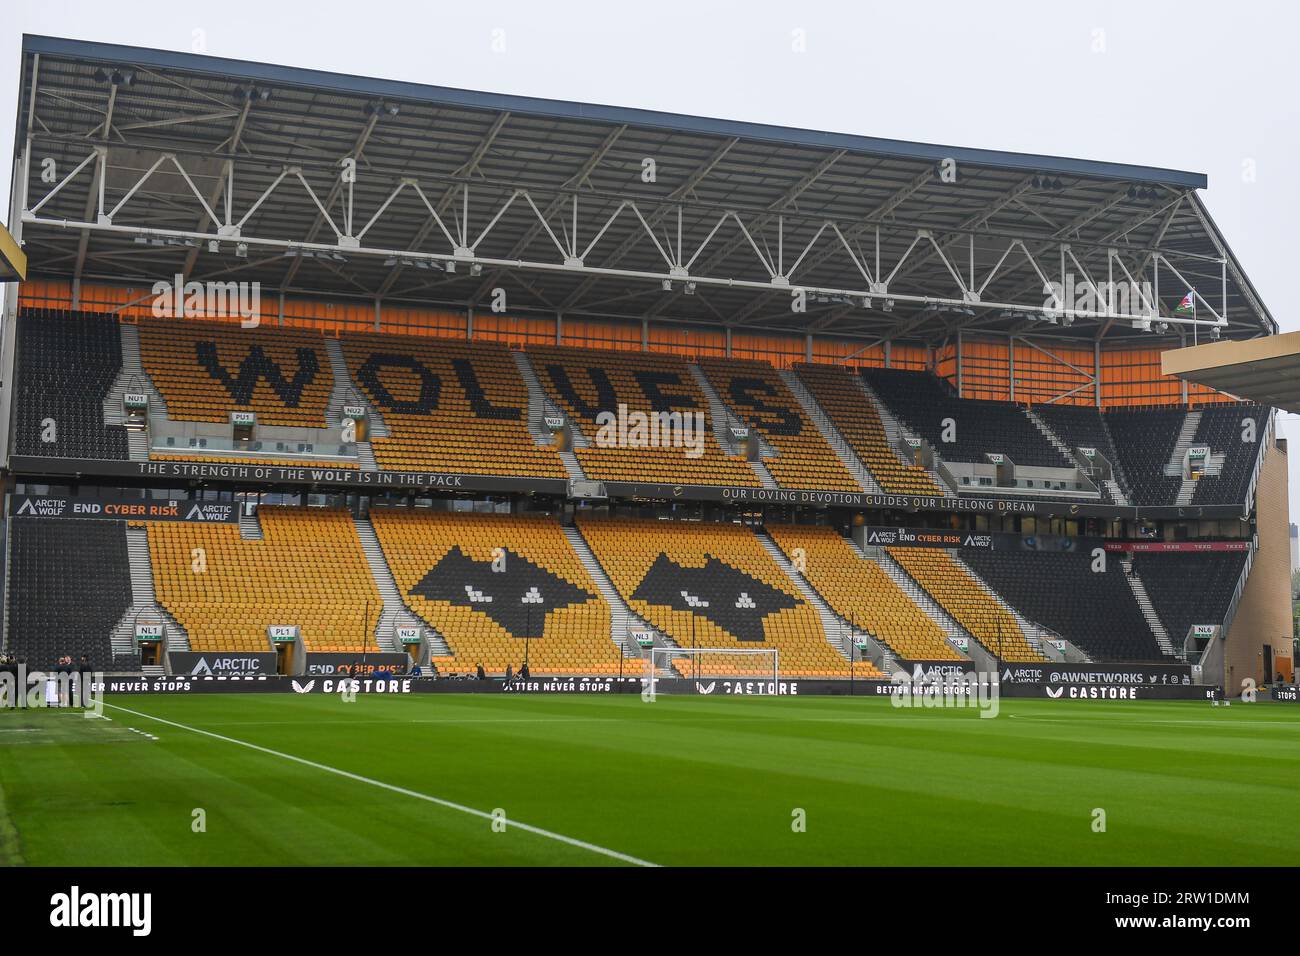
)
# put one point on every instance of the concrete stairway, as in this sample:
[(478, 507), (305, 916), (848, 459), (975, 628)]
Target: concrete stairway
[(894, 431), (919, 596), (395, 613), (1033, 634), (250, 527), (622, 619), (1139, 589), (132, 378), (839, 632), (144, 602), (345, 392), (540, 407), (1174, 468), (723, 419), (847, 456)]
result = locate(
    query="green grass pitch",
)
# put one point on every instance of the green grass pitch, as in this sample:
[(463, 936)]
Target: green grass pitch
[(612, 780)]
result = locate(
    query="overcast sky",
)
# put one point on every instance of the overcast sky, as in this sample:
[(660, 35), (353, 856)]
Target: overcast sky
[(1212, 87)]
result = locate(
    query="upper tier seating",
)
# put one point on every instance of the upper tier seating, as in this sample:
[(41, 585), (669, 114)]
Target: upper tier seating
[(1095, 610), (968, 603), (497, 587), (308, 570), (1144, 441), (859, 591), (587, 382), (755, 392), (66, 363), (855, 417), (1222, 429), (449, 406), (714, 585), (69, 584), (1188, 589), (1082, 426), (923, 402), (206, 370)]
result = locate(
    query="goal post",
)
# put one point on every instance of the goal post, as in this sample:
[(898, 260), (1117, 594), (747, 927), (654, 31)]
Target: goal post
[(708, 663)]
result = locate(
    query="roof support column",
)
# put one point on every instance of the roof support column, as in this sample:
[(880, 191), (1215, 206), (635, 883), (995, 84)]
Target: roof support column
[(559, 328), (645, 334), (807, 348), (728, 352), (1096, 371), (1011, 366), (959, 368)]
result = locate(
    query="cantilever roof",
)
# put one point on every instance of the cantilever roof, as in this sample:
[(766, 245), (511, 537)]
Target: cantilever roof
[(782, 182)]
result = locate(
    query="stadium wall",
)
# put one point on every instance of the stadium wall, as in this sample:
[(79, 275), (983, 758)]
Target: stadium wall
[(1024, 370), (1264, 613)]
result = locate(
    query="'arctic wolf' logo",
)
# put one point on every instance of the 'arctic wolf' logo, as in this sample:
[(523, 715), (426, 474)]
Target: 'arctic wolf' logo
[(729, 598), (518, 598)]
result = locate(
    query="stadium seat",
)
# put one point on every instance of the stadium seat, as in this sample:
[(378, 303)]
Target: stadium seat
[(862, 593), (755, 392), (308, 569), (968, 603), (923, 402), (449, 406), (206, 370), (586, 382), (1094, 610), (497, 587), (69, 584), (66, 363), (856, 419), (713, 585)]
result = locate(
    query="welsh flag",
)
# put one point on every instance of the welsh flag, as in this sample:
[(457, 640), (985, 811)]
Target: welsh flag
[(1187, 306)]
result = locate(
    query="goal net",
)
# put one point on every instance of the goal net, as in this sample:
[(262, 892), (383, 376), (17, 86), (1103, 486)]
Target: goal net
[(711, 663)]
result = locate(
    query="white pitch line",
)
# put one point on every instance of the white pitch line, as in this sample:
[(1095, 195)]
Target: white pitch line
[(549, 834)]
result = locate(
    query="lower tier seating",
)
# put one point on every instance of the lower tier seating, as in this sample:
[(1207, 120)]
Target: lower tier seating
[(65, 365), (308, 570), (69, 584), (499, 587), (969, 604), (1188, 589), (1094, 610), (859, 591), (714, 585)]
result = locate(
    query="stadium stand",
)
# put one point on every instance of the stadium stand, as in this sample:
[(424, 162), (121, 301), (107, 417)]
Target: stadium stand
[(968, 603), (586, 382), (497, 588), (308, 569), (205, 370), (1082, 426), (69, 584), (1144, 441), (1222, 429), (1096, 611), (856, 418), (923, 401), (755, 392), (862, 593), (66, 363), (713, 585), (448, 406), (1188, 589)]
